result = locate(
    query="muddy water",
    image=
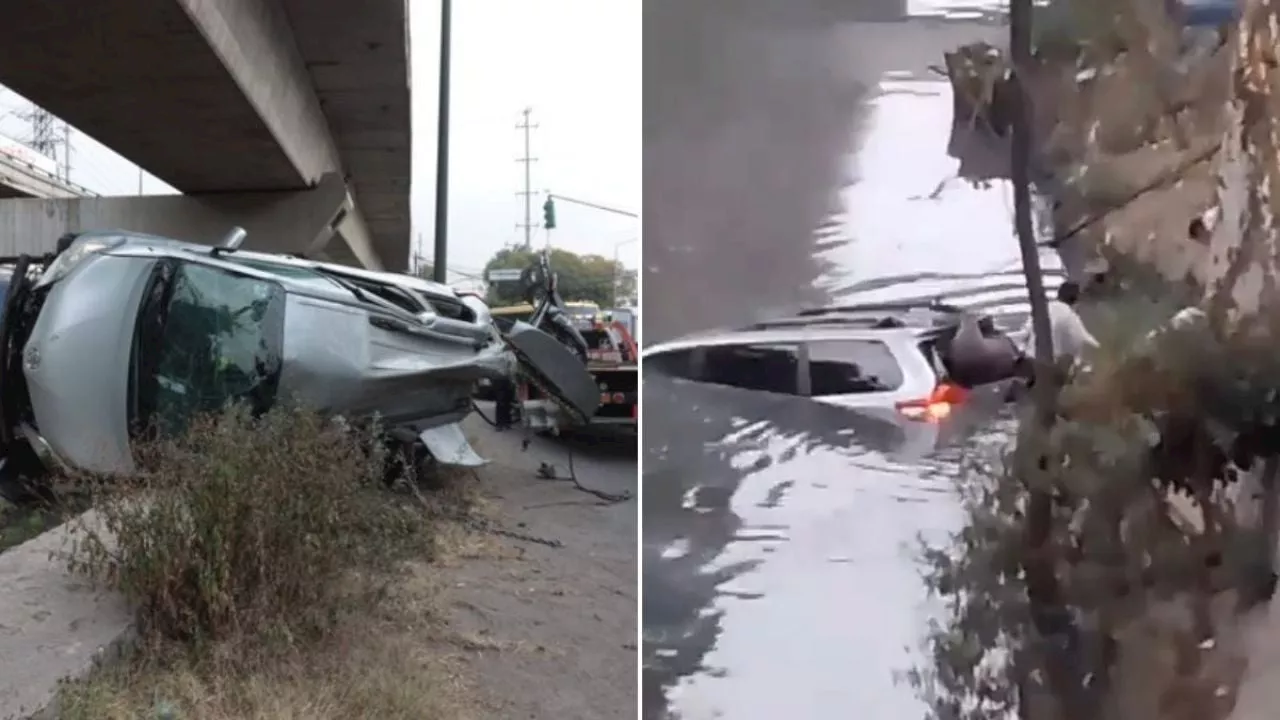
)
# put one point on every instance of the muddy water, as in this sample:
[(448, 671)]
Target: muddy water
[(795, 156)]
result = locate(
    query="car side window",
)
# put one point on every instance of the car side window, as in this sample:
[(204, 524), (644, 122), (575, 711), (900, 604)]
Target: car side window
[(849, 367), (770, 367), (677, 364), (214, 337)]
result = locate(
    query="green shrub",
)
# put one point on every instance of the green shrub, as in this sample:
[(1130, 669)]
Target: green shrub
[(247, 525)]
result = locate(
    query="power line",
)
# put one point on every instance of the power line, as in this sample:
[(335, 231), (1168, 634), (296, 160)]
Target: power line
[(528, 161)]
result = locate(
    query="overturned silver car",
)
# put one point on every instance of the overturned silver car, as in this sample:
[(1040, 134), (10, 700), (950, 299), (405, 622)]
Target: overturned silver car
[(119, 331)]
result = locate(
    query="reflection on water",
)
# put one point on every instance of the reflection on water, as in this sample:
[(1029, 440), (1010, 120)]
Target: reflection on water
[(777, 578), (776, 566)]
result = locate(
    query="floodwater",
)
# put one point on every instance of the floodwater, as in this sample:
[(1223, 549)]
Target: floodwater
[(791, 159)]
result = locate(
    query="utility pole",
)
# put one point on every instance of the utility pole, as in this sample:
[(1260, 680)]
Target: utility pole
[(528, 161), (1033, 464), (440, 261), (66, 152)]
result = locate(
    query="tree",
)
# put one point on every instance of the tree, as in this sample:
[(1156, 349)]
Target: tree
[(582, 277)]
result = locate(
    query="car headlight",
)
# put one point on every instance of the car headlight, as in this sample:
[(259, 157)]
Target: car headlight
[(75, 255)]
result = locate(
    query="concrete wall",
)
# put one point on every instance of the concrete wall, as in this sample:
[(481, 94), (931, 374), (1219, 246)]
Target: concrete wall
[(294, 222)]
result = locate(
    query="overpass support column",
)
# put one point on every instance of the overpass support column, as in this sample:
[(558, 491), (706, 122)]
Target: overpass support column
[(303, 222)]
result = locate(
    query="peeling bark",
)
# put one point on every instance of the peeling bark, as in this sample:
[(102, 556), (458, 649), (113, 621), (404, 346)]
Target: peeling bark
[(1244, 255)]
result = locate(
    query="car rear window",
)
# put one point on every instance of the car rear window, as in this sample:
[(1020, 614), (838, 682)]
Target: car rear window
[(850, 367)]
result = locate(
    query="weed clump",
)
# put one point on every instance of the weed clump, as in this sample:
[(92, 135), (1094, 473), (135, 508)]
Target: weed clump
[(245, 526), (1148, 548)]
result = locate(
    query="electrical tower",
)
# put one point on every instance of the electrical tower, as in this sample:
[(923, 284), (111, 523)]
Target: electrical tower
[(47, 135), (528, 161)]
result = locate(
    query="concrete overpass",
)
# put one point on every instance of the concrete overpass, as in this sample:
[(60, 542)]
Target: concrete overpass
[(20, 179), (236, 103)]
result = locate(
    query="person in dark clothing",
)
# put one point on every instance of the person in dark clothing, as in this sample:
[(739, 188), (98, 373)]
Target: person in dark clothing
[(507, 409)]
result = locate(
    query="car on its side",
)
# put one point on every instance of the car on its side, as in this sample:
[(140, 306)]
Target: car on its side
[(119, 331)]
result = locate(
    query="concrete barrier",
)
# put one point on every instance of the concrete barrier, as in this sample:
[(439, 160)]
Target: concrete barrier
[(53, 626)]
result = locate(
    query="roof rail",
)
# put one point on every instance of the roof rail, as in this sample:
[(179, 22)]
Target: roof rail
[(869, 323), (900, 306)]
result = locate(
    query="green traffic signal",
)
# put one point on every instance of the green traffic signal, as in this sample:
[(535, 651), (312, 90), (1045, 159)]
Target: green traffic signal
[(549, 214)]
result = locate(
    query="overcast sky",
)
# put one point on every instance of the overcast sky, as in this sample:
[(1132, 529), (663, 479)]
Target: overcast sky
[(576, 63)]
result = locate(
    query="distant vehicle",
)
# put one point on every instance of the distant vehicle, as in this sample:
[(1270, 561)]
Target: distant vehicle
[(581, 312), (118, 331), (888, 360), (630, 319)]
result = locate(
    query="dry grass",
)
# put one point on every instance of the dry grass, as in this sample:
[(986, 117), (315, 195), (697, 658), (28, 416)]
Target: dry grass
[(320, 600), (398, 661)]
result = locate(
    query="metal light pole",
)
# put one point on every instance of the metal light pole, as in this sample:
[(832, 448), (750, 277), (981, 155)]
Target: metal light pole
[(441, 260), (617, 268)]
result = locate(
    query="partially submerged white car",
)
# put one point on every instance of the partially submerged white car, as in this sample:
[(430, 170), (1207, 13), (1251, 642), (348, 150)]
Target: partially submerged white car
[(119, 331)]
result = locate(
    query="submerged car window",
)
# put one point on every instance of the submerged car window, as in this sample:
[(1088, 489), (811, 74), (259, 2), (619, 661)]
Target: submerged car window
[(768, 367), (847, 367), (676, 364), (215, 337)]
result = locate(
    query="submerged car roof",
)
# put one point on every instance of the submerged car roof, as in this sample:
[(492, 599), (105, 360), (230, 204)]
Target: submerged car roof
[(851, 321)]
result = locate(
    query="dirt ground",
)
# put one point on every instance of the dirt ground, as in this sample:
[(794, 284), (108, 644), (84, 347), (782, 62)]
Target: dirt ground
[(565, 616)]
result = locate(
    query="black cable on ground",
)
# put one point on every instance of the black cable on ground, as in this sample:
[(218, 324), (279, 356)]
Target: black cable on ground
[(547, 472), (608, 497)]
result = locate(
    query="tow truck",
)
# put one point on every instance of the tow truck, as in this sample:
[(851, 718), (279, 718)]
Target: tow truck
[(604, 344)]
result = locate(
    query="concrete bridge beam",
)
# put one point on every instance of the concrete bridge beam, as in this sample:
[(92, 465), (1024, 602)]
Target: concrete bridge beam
[(255, 43)]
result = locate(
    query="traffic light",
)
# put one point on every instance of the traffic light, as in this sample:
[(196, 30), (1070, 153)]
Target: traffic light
[(549, 214)]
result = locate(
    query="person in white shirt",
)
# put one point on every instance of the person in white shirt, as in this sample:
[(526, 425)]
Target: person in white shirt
[(1070, 336)]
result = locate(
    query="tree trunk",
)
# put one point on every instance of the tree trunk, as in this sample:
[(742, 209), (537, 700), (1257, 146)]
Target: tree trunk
[(1244, 261)]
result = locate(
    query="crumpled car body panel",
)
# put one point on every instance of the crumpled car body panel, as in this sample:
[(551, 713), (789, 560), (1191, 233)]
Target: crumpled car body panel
[(336, 360)]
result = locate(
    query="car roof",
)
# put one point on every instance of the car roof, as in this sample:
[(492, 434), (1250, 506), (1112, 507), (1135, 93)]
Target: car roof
[(135, 242), (304, 279), (886, 322), (412, 282)]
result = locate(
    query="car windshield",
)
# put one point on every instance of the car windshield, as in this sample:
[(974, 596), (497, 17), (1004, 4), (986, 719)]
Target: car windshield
[(206, 337)]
